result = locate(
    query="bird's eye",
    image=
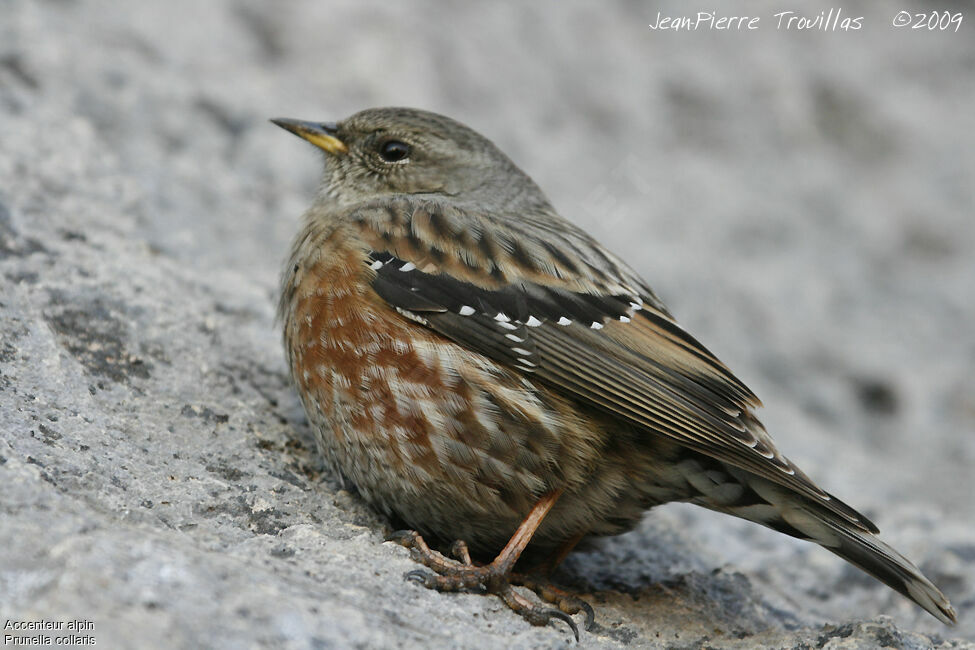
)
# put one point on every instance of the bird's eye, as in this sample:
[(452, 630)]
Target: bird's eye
[(394, 151)]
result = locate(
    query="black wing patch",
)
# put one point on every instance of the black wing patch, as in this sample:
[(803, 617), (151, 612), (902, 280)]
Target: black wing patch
[(494, 322), (526, 303)]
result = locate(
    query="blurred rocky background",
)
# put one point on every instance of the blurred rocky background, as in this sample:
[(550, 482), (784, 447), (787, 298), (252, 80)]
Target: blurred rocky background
[(802, 200)]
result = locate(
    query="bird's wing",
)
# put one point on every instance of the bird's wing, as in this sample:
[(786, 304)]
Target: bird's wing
[(550, 302)]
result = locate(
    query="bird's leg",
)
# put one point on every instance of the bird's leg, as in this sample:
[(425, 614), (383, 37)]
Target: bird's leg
[(496, 577)]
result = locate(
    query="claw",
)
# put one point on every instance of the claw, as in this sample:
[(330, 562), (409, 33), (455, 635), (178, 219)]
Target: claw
[(590, 616), (418, 575), (402, 537), (555, 613)]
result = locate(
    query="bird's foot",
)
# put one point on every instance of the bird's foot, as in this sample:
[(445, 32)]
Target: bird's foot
[(462, 574), (566, 601)]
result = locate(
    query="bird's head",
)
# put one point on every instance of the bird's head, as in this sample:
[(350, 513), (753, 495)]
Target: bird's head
[(384, 151)]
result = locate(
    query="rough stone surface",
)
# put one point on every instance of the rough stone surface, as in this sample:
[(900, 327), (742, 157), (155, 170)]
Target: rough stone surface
[(803, 201)]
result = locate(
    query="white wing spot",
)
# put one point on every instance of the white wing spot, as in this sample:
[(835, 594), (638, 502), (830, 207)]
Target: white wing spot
[(466, 310), (412, 316), (596, 325), (502, 318), (508, 326), (522, 351), (525, 364), (563, 321), (635, 306), (409, 266), (375, 266), (515, 338), (624, 319), (533, 322)]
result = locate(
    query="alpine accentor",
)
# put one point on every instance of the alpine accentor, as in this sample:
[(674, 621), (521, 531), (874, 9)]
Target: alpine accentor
[(484, 370)]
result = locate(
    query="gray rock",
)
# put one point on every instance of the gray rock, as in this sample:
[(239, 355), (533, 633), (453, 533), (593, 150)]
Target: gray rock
[(803, 202)]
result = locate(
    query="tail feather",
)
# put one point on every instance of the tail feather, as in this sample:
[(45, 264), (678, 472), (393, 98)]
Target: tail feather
[(880, 560), (793, 514)]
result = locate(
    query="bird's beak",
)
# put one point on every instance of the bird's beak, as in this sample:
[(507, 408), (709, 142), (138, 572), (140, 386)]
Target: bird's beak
[(320, 134)]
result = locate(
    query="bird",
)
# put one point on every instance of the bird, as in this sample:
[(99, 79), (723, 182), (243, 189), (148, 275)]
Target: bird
[(483, 370)]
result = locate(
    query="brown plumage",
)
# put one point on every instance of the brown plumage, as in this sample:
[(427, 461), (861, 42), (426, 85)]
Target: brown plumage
[(474, 364)]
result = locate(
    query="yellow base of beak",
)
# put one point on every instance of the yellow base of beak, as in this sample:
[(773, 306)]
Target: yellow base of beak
[(315, 132)]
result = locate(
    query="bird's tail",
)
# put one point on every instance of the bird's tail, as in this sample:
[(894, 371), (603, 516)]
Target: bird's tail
[(852, 538), (867, 552)]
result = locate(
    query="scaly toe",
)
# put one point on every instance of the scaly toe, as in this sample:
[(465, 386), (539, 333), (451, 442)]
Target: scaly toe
[(459, 550), (405, 538), (534, 612), (567, 602)]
